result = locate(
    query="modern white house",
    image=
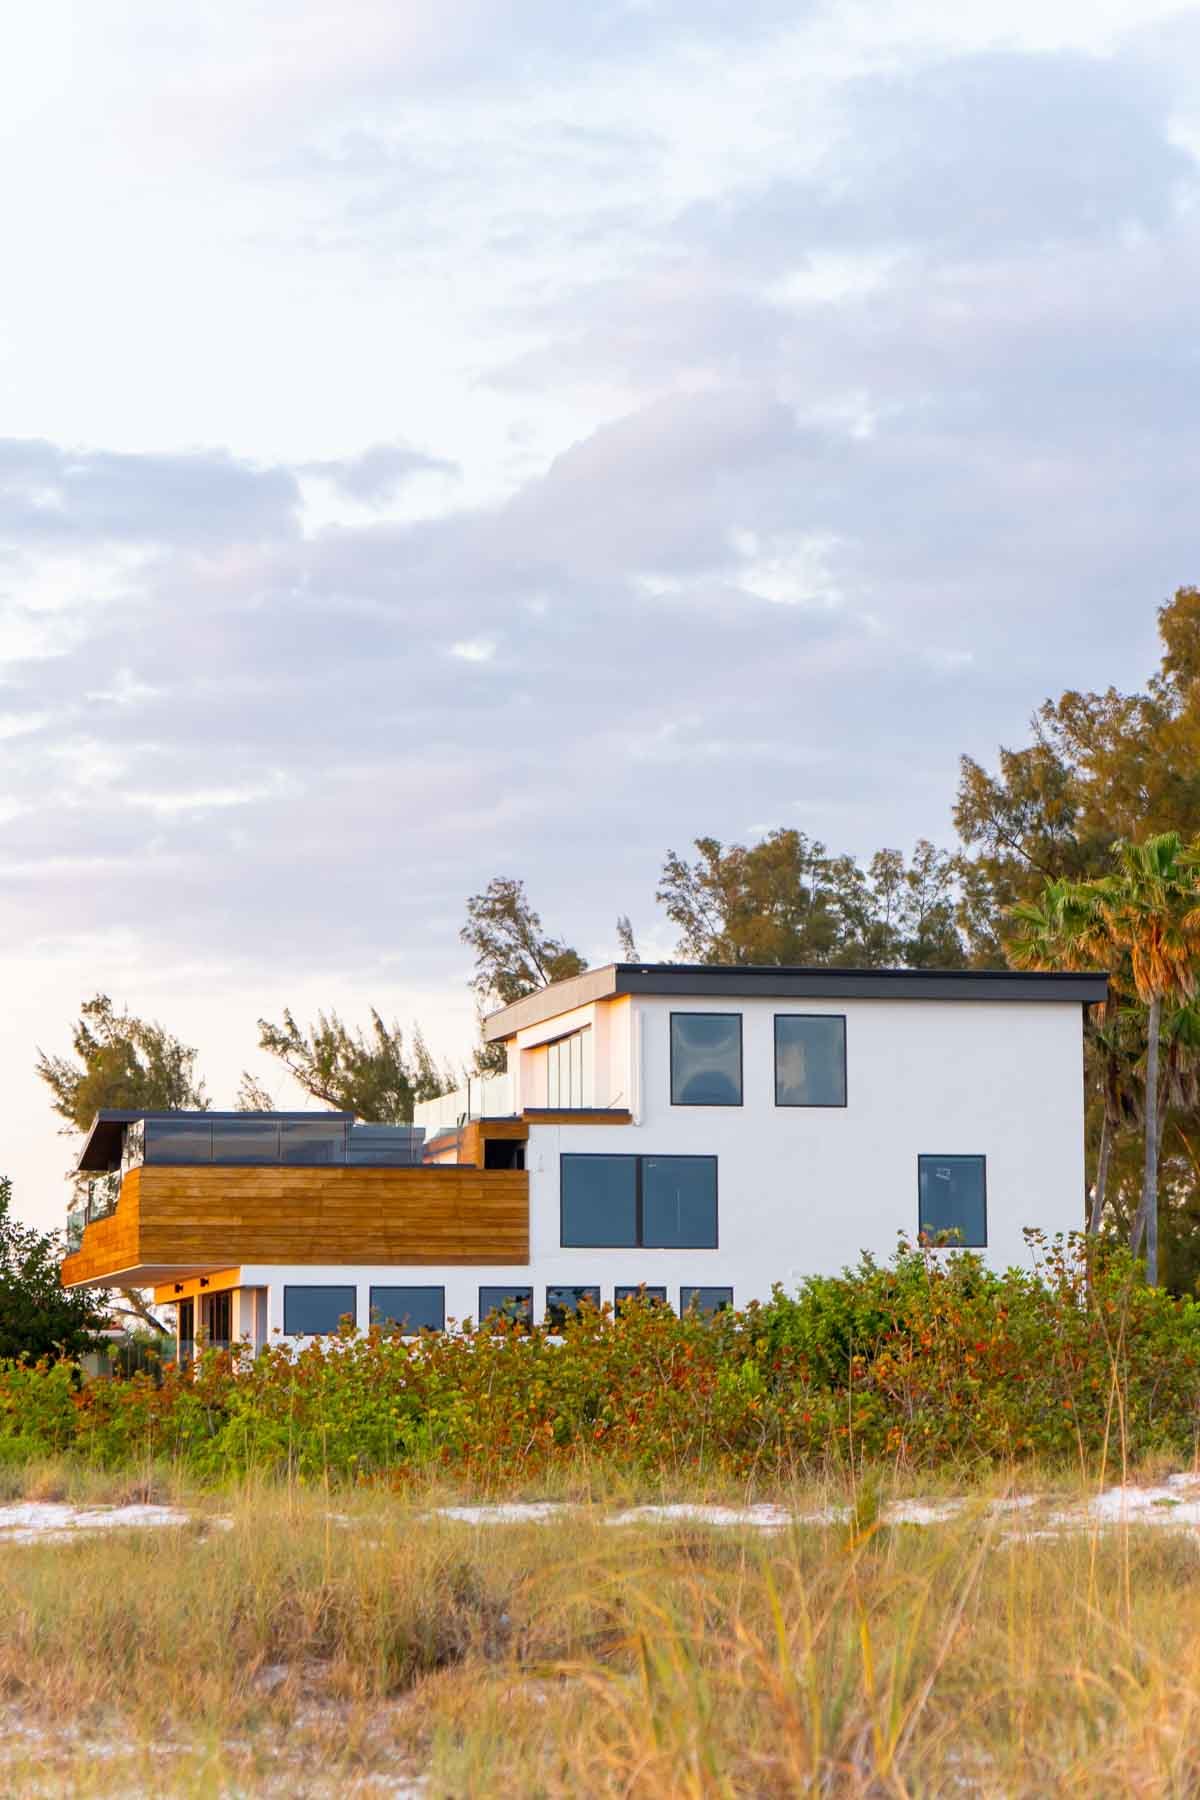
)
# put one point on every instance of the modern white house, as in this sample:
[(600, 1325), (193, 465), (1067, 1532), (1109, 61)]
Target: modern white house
[(702, 1132)]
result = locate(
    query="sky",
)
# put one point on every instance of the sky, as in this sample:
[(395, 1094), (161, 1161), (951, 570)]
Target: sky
[(440, 443)]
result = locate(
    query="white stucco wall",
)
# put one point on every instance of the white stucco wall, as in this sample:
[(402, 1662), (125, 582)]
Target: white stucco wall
[(803, 1190)]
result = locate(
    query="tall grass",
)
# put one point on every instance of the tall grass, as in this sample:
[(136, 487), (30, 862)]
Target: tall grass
[(366, 1638)]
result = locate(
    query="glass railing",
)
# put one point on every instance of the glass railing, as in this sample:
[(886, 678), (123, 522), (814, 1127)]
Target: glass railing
[(302, 1143), (76, 1220), (103, 1194)]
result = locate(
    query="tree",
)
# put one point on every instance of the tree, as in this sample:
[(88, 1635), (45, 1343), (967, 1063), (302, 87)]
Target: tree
[(367, 1073), (786, 900), (1143, 921), (120, 1061), (514, 955), (38, 1317)]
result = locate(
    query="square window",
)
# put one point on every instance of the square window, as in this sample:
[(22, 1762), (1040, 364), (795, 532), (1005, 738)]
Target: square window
[(309, 1311), (653, 1296), (599, 1200), (515, 1303), (409, 1309), (952, 1200), (706, 1059), (679, 1202), (706, 1300), (810, 1059), (562, 1301)]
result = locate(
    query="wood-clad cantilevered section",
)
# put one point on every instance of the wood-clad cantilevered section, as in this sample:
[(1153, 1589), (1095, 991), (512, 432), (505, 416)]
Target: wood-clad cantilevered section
[(173, 1222)]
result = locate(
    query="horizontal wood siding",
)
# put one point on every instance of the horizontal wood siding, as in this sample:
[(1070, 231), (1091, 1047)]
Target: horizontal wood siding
[(109, 1244), (226, 1217), (552, 1115)]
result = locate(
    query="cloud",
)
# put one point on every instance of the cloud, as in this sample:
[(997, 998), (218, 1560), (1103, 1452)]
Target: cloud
[(976, 155), (58, 497), (376, 475)]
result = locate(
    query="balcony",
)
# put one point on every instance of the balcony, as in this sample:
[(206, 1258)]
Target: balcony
[(173, 1220)]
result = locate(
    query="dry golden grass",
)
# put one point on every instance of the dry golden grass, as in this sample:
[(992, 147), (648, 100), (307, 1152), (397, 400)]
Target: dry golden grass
[(352, 1644)]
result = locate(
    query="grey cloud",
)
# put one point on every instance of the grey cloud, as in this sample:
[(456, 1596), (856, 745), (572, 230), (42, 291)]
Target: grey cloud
[(54, 495), (376, 475), (975, 155)]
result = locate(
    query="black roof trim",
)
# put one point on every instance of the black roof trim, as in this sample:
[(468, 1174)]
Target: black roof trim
[(760, 981), (102, 1145)]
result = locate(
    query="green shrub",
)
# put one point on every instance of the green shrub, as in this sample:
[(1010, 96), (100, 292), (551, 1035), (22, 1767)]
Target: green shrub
[(931, 1357)]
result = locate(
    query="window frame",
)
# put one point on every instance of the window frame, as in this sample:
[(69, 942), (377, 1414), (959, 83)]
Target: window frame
[(809, 1105), (655, 1293), (552, 1046), (588, 1289), (697, 1014), (517, 1287), (953, 1156), (325, 1287), (699, 1287), (396, 1326), (637, 1158)]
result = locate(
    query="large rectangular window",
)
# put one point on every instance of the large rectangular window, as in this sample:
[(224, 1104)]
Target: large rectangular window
[(514, 1303), (706, 1059), (561, 1302), (630, 1202), (308, 1311), (679, 1202), (810, 1059), (599, 1200), (706, 1300), (569, 1071), (409, 1309), (952, 1200)]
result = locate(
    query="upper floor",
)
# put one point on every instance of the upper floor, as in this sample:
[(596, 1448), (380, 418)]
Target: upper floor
[(650, 1040)]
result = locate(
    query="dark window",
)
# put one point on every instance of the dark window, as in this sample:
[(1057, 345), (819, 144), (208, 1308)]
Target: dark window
[(810, 1059), (185, 1331), (659, 1202), (509, 1302), (952, 1200), (679, 1202), (312, 1144), (245, 1141), (599, 1200), (412, 1309), (178, 1141), (706, 1059), (653, 1296), (503, 1153), (216, 1313), (706, 1300), (310, 1310), (560, 1301)]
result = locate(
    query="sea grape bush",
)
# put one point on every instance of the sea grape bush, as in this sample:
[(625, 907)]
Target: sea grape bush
[(926, 1359)]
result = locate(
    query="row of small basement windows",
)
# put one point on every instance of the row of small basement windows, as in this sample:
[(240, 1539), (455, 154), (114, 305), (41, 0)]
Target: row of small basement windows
[(670, 1202), (310, 1311)]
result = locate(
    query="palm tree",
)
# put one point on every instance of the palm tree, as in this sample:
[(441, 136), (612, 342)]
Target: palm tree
[(1143, 923)]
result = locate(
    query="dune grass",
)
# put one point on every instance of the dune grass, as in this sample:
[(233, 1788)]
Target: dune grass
[(354, 1643)]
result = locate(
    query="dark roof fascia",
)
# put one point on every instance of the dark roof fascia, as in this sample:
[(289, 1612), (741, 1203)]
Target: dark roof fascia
[(103, 1140), (695, 981)]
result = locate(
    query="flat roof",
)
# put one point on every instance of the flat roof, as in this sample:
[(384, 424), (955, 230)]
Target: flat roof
[(102, 1145), (776, 982)]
